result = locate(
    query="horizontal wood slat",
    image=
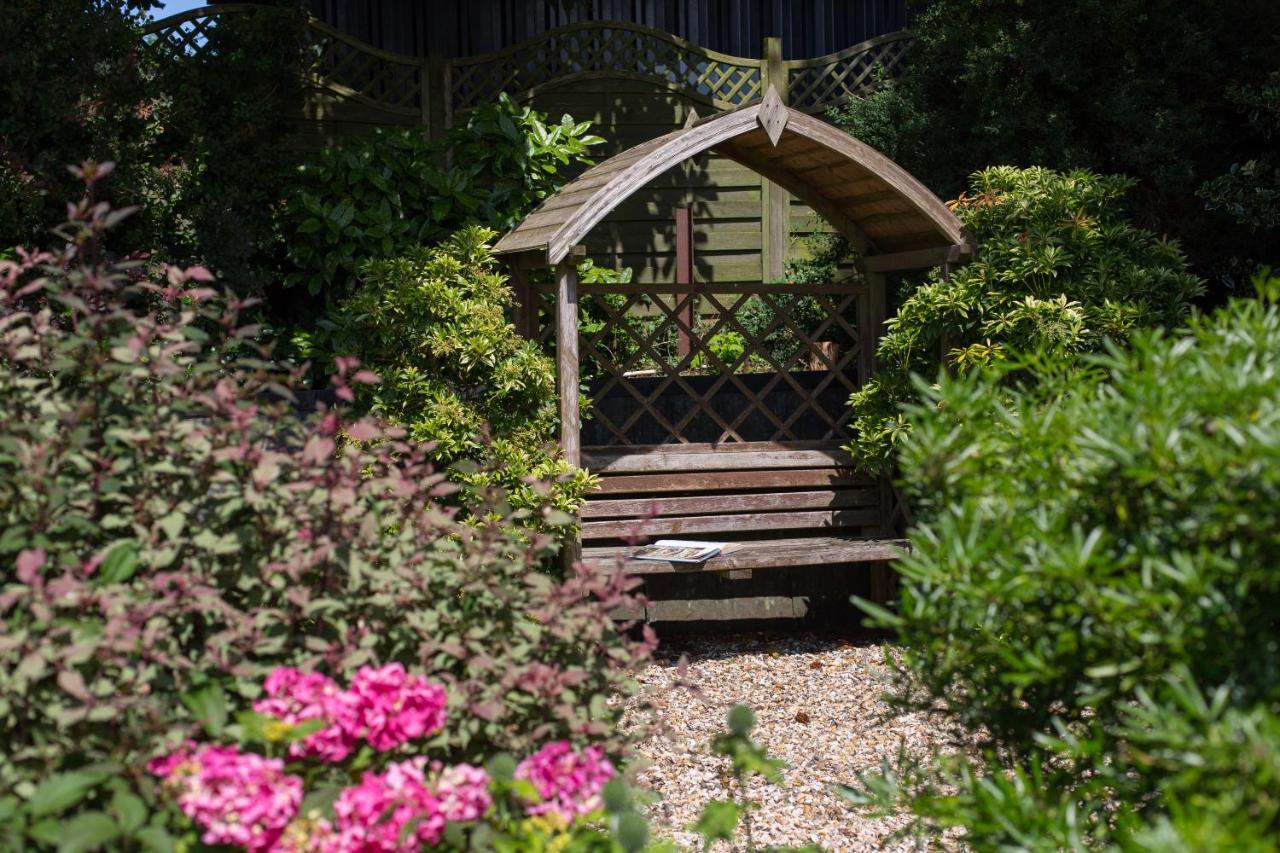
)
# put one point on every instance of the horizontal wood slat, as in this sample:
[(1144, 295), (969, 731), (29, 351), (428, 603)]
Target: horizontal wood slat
[(707, 481), (630, 462), (681, 525), (667, 507), (810, 551)]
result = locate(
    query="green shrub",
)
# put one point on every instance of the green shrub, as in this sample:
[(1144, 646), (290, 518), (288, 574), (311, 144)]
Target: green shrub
[(1060, 269), (173, 526), (433, 324), (394, 191), (1250, 189), (1092, 586)]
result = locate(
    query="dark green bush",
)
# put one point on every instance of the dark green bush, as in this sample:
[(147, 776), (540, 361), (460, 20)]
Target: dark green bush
[(1134, 87), (201, 140), (1060, 268), (1092, 586), (394, 191)]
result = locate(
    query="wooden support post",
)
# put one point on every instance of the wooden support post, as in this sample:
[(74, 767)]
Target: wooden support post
[(875, 306), (567, 377), (775, 220), (684, 275), (871, 326), (526, 303), (567, 360)]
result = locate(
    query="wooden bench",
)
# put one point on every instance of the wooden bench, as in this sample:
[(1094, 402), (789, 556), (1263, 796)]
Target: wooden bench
[(784, 504)]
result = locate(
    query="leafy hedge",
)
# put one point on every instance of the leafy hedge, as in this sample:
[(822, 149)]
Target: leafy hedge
[(1092, 586), (1060, 268), (174, 528)]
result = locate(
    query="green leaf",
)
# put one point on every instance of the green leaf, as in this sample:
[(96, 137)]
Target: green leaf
[(718, 822), (741, 719), (120, 562), (633, 832), (209, 706), (155, 838), (88, 831), (62, 791), (129, 809), (320, 800)]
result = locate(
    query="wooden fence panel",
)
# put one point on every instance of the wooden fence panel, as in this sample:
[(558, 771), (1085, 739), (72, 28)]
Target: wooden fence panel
[(632, 82)]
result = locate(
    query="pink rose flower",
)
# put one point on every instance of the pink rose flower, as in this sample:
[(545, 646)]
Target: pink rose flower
[(240, 799), (394, 708), (568, 781)]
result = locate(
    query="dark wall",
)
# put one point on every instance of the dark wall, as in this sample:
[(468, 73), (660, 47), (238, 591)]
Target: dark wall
[(808, 28)]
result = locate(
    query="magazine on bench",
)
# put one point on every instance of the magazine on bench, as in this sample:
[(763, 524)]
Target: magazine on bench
[(682, 551)]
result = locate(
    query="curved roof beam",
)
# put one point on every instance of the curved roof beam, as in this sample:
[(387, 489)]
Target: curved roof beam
[(867, 197)]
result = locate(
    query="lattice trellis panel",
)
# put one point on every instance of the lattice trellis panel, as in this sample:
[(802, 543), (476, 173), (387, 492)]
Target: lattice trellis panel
[(182, 37), (814, 87), (761, 363), (726, 81), (387, 82)]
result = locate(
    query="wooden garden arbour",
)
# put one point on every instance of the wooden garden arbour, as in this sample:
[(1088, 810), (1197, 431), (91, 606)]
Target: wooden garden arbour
[(790, 499)]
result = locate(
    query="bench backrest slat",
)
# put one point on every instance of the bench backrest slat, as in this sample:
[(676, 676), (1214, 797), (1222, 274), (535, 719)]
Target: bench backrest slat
[(761, 488)]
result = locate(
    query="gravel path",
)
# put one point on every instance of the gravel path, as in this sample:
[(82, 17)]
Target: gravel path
[(818, 708)]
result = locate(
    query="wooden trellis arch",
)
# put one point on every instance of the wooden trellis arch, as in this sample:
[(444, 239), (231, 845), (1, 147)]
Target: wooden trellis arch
[(764, 469)]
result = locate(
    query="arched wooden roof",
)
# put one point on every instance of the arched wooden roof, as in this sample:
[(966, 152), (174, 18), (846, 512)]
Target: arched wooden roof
[(874, 202)]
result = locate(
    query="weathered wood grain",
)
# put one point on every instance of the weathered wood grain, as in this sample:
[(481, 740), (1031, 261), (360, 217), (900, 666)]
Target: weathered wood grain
[(667, 507), (698, 524)]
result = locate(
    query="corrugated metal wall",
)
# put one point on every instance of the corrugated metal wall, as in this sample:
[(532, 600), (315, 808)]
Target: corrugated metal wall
[(808, 28)]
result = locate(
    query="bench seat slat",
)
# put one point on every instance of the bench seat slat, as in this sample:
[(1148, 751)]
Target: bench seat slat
[(806, 551), (667, 507)]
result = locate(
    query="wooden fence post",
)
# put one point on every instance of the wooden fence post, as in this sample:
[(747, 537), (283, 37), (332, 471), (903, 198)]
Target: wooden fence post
[(775, 224), (435, 95)]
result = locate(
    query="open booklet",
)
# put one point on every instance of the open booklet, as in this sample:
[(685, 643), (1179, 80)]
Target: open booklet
[(682, 551)]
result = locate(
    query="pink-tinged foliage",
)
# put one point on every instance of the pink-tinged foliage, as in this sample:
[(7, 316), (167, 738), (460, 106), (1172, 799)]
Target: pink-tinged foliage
[(171, 517), (568, 780), (236, 798)]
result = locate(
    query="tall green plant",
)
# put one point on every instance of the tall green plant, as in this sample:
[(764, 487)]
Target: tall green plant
[(200, 137), (1060, 268)]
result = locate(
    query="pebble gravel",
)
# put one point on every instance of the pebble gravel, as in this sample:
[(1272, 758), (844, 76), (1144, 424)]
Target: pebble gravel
[(819, 707)]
